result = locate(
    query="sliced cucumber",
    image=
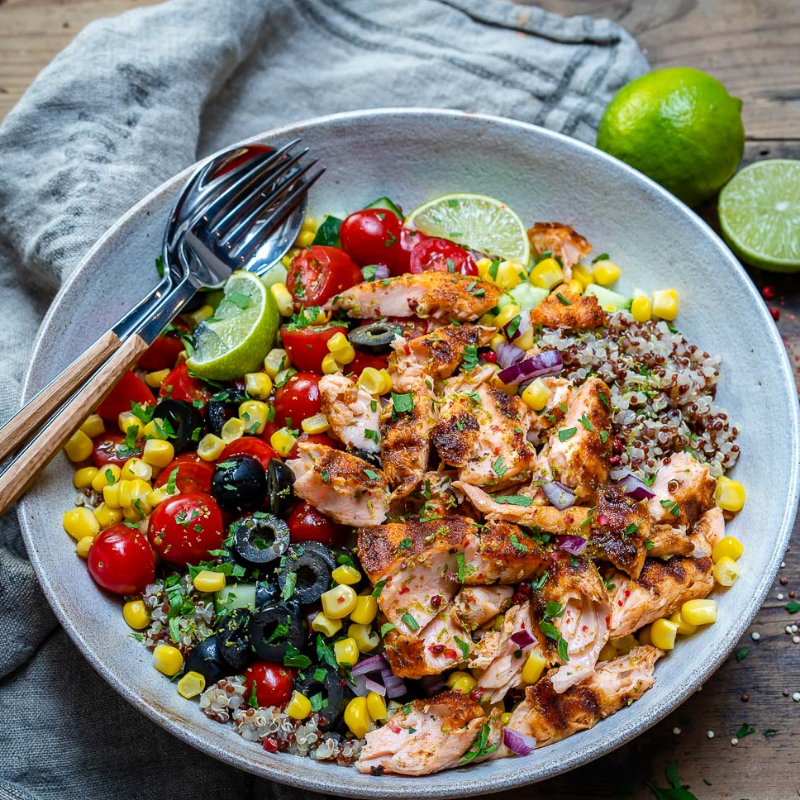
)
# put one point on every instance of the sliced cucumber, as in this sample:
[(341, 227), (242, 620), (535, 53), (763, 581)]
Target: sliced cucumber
[(236, 595), (527, 296), (328, 231), (608, 299), (385, 202), (276, 274)]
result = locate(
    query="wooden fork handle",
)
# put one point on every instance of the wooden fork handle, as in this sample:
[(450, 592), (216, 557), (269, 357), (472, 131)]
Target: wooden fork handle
[(27, 421), (38, 454)]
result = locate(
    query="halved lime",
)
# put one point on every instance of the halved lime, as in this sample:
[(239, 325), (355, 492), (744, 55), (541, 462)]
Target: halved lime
[(759, 211), (475, 221), (241, 332)]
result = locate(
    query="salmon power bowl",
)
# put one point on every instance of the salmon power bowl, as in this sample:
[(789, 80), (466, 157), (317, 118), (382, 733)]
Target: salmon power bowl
[(466, 502)]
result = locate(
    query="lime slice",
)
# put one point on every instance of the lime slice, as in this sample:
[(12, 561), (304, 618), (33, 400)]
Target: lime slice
[(475, 221), (240, 334), (759, 211)]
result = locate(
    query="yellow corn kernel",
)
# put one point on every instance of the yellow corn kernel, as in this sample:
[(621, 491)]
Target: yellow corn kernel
[(258, 385), (575, 285), (684, 628), (209, 581), (464, 684), (309, 224), (158, 496), (157, 453), (507, 275), (82, 479), (376, 706), (364, 636), (330, 365), (507, 313), (699, 612), (286, 261), (81, 522), (729, 547), (210, 447), (606, 272), (133, 492), (299, 706), (487, 320), (282, 442), (316, 424), (644, 635), (525, 340), (729, 494), (357, 718), (93, 425), (341, 349), (456, 676), (191, 685), (386, 382), (346, 574), (533, 669), (111, 496), (136, 614), (283, 299), (84, 546), (127, 419), (508, 388), (167, 659), (107, 516), (505, 717), (624, 644), (496, 341), (641, 308), (726, 571), (194, 318), (366, 609), (276, 360), (325, 625), (665, 304), (346, 652), (547, 274), (105, 477), (536, 394), (154, 430), (304, 239), (137, 512), (136, 468), (232, 430), (339, 601), (254, 414), (583, 274), (663, 633), (371, 380), (483, 265), (607, 652), (78, 447), (155, 379)]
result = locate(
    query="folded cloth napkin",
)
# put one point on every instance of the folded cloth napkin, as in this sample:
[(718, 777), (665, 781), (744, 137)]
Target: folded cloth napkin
[(129, 103)]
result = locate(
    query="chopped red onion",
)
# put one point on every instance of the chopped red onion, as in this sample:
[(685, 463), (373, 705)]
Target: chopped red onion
[(517, 326), (375, 272), (371, 664), (522, 639), (508, 355), (547, 363), (520, 744), (398, 690), (634, 487), (359, 685), (571, 543), (559, 495), (431, 684), (373, 686)]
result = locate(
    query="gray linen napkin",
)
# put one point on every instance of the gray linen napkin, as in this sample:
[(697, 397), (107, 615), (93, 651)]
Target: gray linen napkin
[(129, 103)]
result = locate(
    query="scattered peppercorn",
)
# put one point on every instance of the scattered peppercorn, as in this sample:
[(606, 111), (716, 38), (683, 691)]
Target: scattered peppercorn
[(745, 698)]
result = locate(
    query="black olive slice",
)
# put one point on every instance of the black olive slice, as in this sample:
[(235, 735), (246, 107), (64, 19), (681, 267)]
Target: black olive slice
[(259, 539), (205, 659), (181, 422), (323, 685), (375, 338), (370, 458), (280, 480), (305, 572), (276, 626), (234, 639), (240, 484)]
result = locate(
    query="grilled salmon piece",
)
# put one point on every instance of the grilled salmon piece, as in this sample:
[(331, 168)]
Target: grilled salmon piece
[(438, 295), (578, 450), (662, 588), (560, 241), (574, 312), (346, 488), (707, 531), (440, 498), (405, 442), (436, 354), (479, 605), (683, 488), (423, 737), (667, 541), (620, 528), (499, 552), (562, 392), (352, 412), (549, 716)]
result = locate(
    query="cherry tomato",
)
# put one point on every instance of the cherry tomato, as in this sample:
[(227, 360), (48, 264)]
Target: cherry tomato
[(250, 446), (130, 389), (371, 236), (411, 326), (110, 448), (364, 360), (315, 438), (408, 241), (184, 528), (318, 273), (439, 255), (194, 474), (273, 682), (163, 353), (306, 524), (241, 156), (297, 399), (308, 346), (179, 385), (121, 560)]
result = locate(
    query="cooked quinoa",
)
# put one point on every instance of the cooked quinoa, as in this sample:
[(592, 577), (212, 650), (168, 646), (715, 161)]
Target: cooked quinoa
[(179, 614)]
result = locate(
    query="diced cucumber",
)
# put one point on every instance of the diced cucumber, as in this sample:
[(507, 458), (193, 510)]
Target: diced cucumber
[(276, 274), (328, 231), (608, 299), (236, 595), (504, 300), (528, 296), (385, 202)]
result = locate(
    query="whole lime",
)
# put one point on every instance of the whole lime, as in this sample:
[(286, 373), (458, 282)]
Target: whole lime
[(678, 126)]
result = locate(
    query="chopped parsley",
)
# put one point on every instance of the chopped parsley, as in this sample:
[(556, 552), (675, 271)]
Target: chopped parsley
[(160, 266), (402, 403), (517, 545), (566, 433), (601, 257), (294, 658), (745, 730), (410, 621), (470, 358), (499, 467), (649, 544), (289, 586), (563, 300), (603, 437), (325, 653), (792, 607), (386, 627), (405, 544), (378, 588), (586, 422), (143, 413), (673, 509), (239, 300), (373, 476), (514, 500), (741, 653), (369, 433), (480, 746), (463, 647)]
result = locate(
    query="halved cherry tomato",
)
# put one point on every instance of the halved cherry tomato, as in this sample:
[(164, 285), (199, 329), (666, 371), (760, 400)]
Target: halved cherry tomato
[(163, 353), (364, 360), (411, 326), (250, 446), (408, 241), (297, 399), (439, 255), (180, 385), (110, 448), (130, 389), (273, 682), (308, 346), (318, 273), (371, 236), (121, 560), (194, 474), (306, 524), (184, 528)]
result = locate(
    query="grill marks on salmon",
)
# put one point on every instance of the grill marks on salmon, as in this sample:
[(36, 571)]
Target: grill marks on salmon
[(683, 488), (479, 605), (435, 295), (620, 528), (352, 412), (578, 312)]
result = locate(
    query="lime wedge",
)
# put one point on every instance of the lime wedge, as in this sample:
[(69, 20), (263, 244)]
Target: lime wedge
[(475, 221), (240, 334), (759, 211)]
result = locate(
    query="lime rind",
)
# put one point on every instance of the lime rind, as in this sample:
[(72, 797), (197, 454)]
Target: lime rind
[(474, 221)]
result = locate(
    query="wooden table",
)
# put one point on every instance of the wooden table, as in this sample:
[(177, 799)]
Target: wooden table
[(753, 46)]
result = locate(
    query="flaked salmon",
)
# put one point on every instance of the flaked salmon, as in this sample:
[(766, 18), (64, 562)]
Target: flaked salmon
[(683, 488), (353, 413)]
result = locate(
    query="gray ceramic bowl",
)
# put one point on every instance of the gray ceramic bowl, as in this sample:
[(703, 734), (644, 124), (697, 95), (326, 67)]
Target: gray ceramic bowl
[(413, 155)]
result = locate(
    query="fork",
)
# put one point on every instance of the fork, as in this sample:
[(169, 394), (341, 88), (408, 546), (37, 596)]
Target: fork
[(230, 232)]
